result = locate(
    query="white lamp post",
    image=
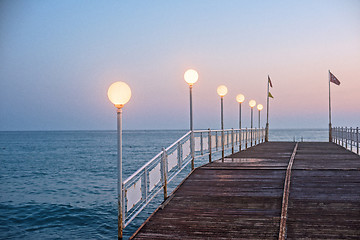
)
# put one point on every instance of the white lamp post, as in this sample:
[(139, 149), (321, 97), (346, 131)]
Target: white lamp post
[(119, 94), (240, 99), (260, 107), (191, 77), (222, 91), (252, 104)]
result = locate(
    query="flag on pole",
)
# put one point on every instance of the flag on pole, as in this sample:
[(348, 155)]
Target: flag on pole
[(270, 81), (333, 79), (270, 95)]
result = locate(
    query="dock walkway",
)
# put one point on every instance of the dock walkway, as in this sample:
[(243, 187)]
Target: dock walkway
[(242, 196)]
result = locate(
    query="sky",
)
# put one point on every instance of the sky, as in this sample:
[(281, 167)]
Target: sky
[(58, 58)]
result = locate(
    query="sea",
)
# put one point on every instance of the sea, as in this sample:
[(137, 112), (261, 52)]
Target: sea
[(62, 184)]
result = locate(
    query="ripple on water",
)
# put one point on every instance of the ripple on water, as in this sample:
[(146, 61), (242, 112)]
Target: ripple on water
[(35, 221)]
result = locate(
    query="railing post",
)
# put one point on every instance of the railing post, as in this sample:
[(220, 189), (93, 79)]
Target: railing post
[(264, 135), (236, 136), (255, 136), (232, 141), (346, 137), (246, 137), (351, 138), (145, 188), (337, 135), (240, 138), (201, 143), (209, 143), (357, 140), (192, 150), (216, 141), (251, 137), (179, 154), (342, 136), (164, 172), (222, 145)]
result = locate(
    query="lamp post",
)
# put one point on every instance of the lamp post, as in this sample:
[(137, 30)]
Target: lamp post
[(191, 77), (260, 107), (222, 91), (119, 94), (240, 99), (252, 104)]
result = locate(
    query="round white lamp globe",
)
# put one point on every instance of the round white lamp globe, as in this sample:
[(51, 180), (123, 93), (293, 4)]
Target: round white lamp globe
[(252, 103), (119, 94), (191, 76), (222, 90), (240, 98)]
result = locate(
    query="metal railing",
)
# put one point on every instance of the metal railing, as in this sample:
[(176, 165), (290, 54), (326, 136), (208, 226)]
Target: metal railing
[(146, 183), (347, 137)]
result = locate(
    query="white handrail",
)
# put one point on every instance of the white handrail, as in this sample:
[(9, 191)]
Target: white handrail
[(167, 164), (347, 137)]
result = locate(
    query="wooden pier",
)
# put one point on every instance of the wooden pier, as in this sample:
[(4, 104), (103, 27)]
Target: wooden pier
[(254, 194)]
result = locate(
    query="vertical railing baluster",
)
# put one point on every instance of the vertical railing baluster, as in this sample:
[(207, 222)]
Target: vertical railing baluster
[(236, 137), (342, 136), (216, 141), (246, 138), (357, 140), (227, 139), (209, 145), (179, 154), (254, 136), (337, 138), (346, 137), (201, 143), (145, 184), (232, 141), (222, 145), (164, 172), (351, 138), (240, 139), (264, 133)]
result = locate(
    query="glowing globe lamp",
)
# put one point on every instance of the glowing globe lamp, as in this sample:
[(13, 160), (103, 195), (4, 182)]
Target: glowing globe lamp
[(191, 77), (240, 98), (252, 103), (260, 107), (222, 90), (119, 94)]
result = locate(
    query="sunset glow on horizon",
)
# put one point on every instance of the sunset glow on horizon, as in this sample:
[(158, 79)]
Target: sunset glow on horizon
[(67, 53)]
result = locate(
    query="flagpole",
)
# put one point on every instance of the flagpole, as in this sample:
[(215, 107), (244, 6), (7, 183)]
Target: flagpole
[(267, 113), (330, 131)]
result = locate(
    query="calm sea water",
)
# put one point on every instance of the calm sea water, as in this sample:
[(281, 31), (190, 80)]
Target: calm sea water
[(62, 185)]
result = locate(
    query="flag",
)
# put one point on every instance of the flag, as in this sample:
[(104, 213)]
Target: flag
[(269, 81), (270, 95), (333, 79)]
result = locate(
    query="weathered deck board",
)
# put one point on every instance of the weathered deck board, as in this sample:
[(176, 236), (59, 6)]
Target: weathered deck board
[(324, 200), (241, 197)]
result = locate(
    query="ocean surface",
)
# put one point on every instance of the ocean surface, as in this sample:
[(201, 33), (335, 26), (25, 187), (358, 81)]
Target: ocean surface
[(62, 184)]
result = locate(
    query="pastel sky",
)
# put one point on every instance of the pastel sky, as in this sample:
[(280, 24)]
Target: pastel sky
[(58, 58)]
